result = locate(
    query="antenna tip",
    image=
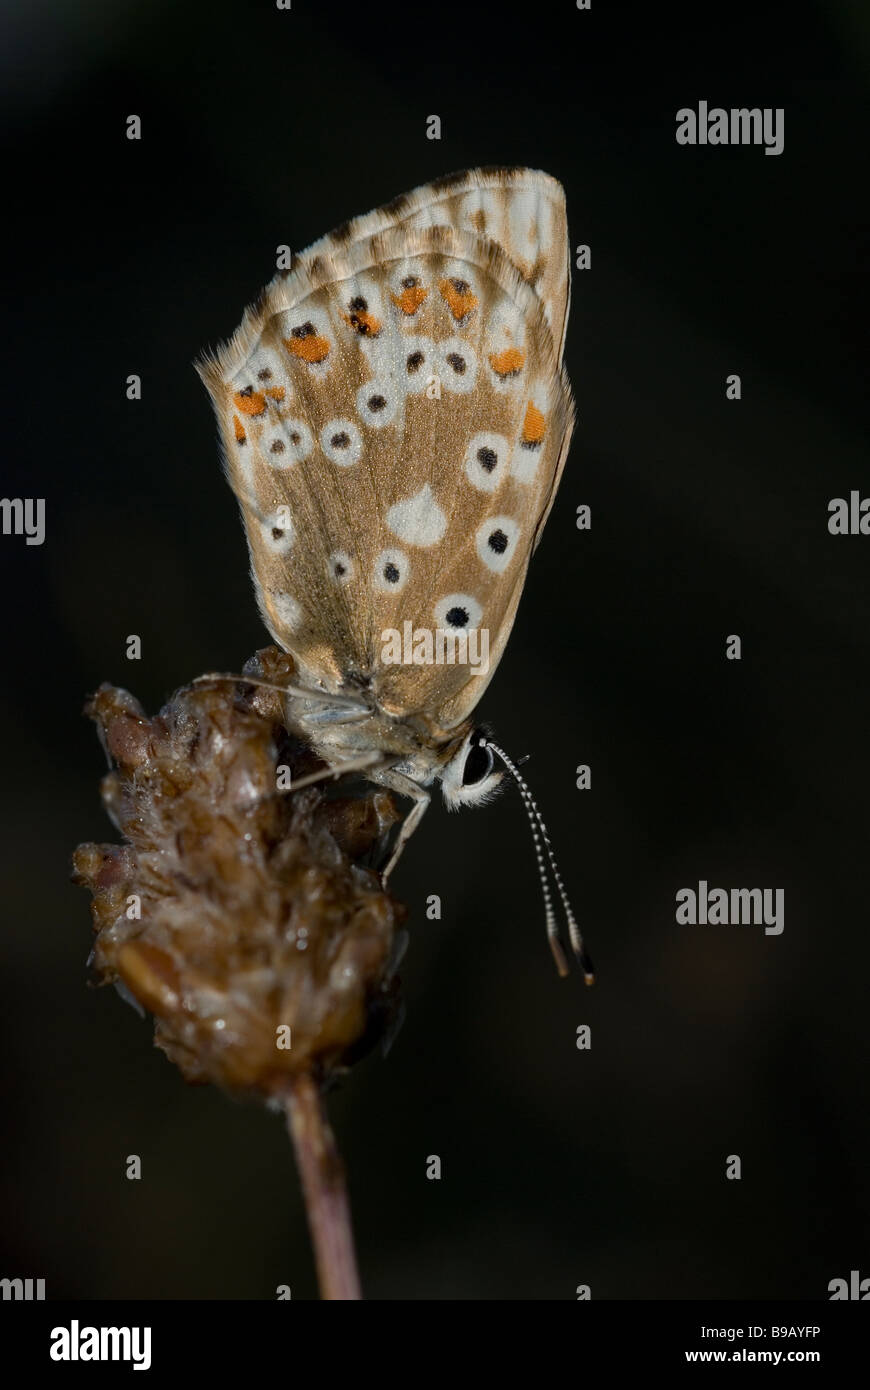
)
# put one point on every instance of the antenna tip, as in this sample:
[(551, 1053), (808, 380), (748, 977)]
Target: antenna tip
[(559, 957), (585, 963)]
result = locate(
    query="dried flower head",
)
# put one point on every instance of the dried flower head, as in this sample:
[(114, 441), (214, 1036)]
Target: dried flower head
[(244, 916)]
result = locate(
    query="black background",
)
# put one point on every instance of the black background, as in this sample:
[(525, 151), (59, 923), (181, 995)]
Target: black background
[(561, 1167)]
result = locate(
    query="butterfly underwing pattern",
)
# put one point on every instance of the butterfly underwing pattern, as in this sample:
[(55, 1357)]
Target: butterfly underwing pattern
[(395, 418)]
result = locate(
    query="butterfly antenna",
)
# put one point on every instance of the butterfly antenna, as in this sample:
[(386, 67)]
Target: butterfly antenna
[(540, 833)]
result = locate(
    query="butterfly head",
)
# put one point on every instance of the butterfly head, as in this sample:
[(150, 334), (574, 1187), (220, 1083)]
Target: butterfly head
[(471, 778)]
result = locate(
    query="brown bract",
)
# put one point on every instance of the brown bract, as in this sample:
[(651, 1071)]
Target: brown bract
[(258, 914)]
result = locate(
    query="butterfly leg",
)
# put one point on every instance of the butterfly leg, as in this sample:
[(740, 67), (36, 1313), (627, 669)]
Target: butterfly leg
[(405, 786), (346, 709), (364, 762)]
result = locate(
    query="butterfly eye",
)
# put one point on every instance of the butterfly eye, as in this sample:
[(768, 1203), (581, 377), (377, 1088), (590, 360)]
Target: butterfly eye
[(478, 764), (470, 779)]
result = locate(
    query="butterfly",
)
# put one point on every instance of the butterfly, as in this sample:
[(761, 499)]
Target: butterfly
[(395, 418)]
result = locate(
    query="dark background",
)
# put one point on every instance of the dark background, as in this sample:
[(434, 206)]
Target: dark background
[(709, 518)]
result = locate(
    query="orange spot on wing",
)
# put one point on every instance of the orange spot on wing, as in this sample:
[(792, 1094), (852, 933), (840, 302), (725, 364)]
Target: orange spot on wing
[(238, 430), (276, 392), (508, 362), (363, 323), (534, 426), (410, 299), (460, 301), (250, 402), (308, 349)]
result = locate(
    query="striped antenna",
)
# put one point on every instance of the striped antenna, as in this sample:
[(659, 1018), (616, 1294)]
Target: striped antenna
[(540, 835)]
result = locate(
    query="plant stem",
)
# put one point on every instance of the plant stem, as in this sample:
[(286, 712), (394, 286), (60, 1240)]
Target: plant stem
[(324, 1189)]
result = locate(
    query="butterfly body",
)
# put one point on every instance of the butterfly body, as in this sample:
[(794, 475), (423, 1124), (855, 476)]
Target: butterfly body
[(412, 745), (395, 420)]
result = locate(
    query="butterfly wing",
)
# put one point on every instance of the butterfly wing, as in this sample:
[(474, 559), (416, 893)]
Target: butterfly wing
[(394, 422), (521, 210)]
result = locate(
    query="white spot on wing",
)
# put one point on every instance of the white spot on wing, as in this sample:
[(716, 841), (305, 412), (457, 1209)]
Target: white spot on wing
[(496, 542), (524, 463), (283, 609), (483, 200), (418, 362), (418, 520), (287, 442), (341, 567), (507, 331), (277, 530), (377, 402), (453, 608), (341, 442), (456, 365), (391, 571), (264, 372), (525, 235), (486, 460)]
